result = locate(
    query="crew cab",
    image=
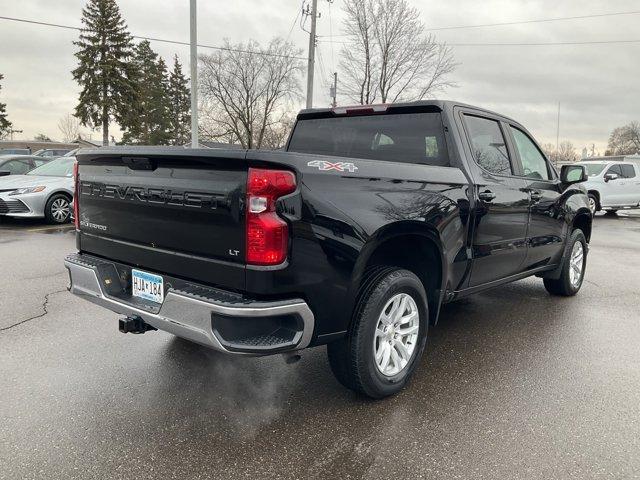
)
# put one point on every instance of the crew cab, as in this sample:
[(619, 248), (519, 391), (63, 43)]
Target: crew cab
[(354, 236)]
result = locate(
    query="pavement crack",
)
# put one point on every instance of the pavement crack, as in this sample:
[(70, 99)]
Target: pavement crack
[(44, 306)]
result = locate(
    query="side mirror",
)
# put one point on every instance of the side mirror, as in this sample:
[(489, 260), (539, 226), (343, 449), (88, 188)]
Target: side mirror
[(573, 174), (610, 176), (4, 173)]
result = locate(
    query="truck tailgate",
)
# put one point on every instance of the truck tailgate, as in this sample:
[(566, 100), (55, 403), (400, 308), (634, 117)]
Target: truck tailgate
[(166, 212)]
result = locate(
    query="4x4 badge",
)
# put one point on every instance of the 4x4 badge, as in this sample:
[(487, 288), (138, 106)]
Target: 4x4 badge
[(324, 166)]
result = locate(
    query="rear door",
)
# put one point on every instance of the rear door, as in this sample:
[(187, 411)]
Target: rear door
[(614, 191), (502, 203), (547, 228), (631, 184)]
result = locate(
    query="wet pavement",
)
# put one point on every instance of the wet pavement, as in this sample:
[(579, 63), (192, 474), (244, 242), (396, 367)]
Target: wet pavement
[(514, 384)]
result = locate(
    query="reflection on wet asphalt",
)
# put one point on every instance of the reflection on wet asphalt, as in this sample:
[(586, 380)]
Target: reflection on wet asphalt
[(514, 384)]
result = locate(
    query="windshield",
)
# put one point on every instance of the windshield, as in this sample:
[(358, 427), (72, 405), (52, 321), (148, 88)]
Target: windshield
[(61, 167), (72, 153), (594, 169)]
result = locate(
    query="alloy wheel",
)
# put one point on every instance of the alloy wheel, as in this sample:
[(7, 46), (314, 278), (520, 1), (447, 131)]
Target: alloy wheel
[(576, 264), (396, 334)]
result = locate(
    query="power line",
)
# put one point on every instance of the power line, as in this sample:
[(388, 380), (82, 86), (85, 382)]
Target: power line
[(295, 20), (525, 44), (521, 22), (155, 39)]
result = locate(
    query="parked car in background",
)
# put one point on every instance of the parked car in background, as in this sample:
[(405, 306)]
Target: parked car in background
[(52, 152), (15, 151), (19, 164), (45, 191), (612, 186)]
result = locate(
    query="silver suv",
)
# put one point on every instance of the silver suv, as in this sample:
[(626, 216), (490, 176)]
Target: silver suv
[(613, 186)]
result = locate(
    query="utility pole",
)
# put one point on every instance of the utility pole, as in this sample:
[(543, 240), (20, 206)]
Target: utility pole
[(312, 53), (558, 136), (194, 73), (12, 131), (333, 92)]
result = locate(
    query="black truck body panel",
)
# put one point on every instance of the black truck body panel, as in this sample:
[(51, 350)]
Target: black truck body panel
[(181, 212)]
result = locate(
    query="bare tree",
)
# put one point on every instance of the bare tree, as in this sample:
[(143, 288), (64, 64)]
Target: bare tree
[(565, 152), (246, 90), (69, 127), (388, 56), (624, 140)]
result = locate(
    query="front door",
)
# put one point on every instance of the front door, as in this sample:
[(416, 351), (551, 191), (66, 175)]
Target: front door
[(547, 228), (502, 203)]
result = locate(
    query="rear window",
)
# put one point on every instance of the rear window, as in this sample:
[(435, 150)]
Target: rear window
[(405, 137), (594, 169)]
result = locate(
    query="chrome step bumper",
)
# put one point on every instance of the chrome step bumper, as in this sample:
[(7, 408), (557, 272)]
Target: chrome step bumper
[(194, 313)]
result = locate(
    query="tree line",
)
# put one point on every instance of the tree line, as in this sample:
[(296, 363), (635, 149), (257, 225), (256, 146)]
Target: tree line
[(128, 83)]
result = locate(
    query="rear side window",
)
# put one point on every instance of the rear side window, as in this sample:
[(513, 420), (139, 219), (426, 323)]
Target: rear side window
[(488, 145), (628, 171), (405, 137)]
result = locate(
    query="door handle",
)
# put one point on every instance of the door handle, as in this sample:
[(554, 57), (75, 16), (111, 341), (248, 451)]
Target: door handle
[(536, 195), (487, 195)]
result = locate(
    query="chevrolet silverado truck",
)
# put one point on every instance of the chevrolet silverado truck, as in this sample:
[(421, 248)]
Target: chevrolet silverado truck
[(354, 236)]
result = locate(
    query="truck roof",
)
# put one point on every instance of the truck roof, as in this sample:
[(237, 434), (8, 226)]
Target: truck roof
[(439, 104)]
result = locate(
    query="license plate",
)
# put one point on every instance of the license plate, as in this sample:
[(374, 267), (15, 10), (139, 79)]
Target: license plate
[(147, 285)]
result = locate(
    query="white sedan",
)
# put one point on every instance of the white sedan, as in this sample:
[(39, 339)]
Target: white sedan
[(45, 192)]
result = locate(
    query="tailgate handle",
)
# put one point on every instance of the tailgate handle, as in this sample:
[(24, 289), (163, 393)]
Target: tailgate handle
[(140, 163)]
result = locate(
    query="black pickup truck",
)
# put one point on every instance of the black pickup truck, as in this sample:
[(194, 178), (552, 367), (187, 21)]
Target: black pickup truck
[(353, 236)]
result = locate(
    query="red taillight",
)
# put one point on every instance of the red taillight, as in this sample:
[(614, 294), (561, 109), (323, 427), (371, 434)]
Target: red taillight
[(76, 197), (267, 233)]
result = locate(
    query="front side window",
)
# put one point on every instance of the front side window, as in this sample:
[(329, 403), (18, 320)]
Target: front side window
[(488, 145), (534, 164)]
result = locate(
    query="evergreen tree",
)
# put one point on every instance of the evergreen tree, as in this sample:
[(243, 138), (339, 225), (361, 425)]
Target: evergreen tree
[(104, 70), (179, 96), (149, 119), (5, 125)]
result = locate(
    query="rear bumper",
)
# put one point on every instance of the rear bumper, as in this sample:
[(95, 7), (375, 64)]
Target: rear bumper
[(220, 320)]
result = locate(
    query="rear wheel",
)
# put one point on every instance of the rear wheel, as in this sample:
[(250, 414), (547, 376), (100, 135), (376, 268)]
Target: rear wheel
[(57, 209), (573, 269), (387, 337)]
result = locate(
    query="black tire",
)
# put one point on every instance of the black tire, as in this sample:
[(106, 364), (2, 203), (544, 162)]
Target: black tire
[(52, 211), (352, 359), (594, 198), (563, 286)]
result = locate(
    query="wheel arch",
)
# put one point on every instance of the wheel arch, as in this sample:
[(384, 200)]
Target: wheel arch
[(596, 194), (66, 193), (413, 246), (584, 221)]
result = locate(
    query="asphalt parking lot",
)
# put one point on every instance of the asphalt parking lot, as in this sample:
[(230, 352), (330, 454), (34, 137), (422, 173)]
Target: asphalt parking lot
[(515, 384)]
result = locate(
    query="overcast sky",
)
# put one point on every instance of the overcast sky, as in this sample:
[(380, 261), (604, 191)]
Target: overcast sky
[(598, 85)]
